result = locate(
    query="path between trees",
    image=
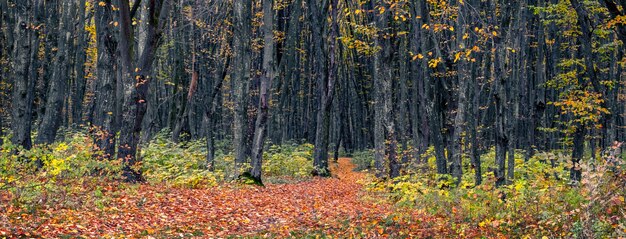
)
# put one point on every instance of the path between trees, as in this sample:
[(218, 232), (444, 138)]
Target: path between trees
[(326, 206)]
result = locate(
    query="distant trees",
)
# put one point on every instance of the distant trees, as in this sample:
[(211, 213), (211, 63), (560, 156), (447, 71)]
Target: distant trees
[(399, 76)]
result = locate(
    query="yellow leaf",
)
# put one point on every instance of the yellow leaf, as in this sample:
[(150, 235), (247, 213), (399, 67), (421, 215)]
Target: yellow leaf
[(434, 62), (457, 56), (418, 56)]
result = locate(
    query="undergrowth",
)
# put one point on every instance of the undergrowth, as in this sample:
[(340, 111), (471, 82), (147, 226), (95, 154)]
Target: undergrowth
[(69, 173), (540, 201)]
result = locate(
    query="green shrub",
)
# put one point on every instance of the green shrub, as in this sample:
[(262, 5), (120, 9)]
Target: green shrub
[(67, 167), (363, 160), (541, 195), (184, 164), (288, 160), (181, 164)]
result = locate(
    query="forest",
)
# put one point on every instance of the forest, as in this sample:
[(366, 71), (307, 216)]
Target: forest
[(312, 119)]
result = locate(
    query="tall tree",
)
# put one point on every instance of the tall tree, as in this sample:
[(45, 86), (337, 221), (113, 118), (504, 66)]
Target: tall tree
[(240, 77), (326, 76), (260, 131), (463, 81), (57, 89), (136, 77), (25, 35), (104, 101)]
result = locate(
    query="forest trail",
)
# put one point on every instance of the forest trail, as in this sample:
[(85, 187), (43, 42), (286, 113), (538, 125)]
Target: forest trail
[(330, 206)]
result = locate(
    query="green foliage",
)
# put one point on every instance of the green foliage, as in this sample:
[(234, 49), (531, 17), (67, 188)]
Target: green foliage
[(185, 165), (63, 168), (363, 160), (288, 160), (540, 202), (181, 164)]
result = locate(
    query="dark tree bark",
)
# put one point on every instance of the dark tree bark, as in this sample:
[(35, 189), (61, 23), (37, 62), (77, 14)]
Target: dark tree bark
[(57, 89), (103, 126), (326, 78), (591, 74), (384, 125), (136, 79), (240, 78), (500, 97), (183, 119), (269, 63), (24, 44), (459, 120), (209, 111), (80, 81)]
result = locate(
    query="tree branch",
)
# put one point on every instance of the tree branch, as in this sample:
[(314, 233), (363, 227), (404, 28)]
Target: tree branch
[(135, 8)]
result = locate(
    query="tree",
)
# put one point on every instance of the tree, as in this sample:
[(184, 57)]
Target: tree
[(260, 131), (103, 125), (58, 84), (25, 39), (326, 73), (240, 78), (136, 71)]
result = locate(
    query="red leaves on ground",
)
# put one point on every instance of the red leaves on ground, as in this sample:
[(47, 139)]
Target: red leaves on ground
[(332, 206)]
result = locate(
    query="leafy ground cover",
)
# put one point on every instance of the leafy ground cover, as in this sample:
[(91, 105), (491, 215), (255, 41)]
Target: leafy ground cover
[(65, 198), (334, 206)]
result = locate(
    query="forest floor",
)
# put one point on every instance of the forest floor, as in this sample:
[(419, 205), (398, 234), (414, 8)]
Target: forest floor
[(335, 207)]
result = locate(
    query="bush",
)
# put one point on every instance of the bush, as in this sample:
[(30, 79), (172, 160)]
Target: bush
[(363, 160), (68, 167), (540, 202), (181, 164), (288, 160), (184, 164)]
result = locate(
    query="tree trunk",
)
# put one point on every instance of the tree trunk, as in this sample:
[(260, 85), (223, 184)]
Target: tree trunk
[(78, 94), (104, 128), (266, 82), (51, 120), (326, 82), (500, 97), (590, 72), (25, 37), (459, 120), (240, 79), (135, 80)]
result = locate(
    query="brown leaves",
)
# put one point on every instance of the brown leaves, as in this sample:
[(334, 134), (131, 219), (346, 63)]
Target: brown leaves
[(329, 205)]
